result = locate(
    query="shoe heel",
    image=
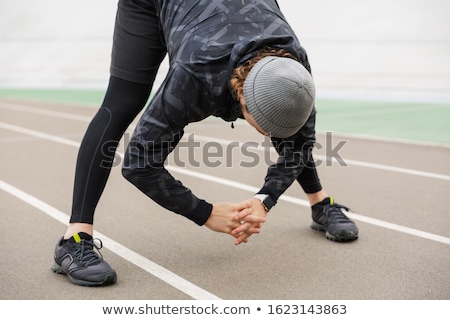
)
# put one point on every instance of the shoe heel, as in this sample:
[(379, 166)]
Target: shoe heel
[(317, 226)]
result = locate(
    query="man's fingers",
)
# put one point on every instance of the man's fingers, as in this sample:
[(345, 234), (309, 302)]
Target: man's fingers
[(242, 205), (248, 219), (242, 238), (248, 228), (241, 214), (248, 216), (244, 232), (253, 219)]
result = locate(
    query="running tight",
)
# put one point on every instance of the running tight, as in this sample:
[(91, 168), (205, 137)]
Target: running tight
[(122, 103)]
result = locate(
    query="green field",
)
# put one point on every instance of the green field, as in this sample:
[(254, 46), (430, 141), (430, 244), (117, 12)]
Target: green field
[(420, 122)]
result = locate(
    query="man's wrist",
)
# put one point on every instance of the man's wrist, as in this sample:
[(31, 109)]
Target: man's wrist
[(266, 201)]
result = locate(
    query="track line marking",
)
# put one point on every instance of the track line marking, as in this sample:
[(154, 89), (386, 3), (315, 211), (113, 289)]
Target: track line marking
[(352, 162), (226, 142), (40, 135), (355, 216), (234, 184), (162, 273), (50, 113)]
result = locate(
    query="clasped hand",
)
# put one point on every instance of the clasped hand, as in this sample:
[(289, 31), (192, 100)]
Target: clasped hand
[(240, 220)]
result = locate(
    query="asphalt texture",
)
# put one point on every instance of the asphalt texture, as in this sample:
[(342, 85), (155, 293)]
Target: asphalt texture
[(397, 192)]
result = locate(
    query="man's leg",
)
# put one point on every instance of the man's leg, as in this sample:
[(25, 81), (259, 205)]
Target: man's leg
[(327, 215), (138, 51), (74, 253), (123, 101), (316, 197)]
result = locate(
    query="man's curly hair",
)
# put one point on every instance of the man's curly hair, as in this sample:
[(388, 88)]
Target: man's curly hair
[(240, 73)]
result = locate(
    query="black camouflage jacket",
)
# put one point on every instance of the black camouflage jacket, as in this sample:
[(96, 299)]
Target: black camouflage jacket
[(206, 40)]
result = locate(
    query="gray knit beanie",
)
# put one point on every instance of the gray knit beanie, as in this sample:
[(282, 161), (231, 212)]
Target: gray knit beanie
[(279, 93)]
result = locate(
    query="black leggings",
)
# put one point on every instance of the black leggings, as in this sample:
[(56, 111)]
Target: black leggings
[(123, 101), (138, 50)]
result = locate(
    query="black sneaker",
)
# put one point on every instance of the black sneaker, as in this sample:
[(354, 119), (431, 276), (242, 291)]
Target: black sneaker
[(77, 259), (328, 216)]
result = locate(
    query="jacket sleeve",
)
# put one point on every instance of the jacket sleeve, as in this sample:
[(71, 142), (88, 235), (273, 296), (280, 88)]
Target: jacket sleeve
[(295, 153), (156, 135)]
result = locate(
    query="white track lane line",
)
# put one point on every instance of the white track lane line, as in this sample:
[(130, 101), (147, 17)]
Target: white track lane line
[(355, 216), (160, 272), (63, 115), (234, 184), (347, 161), (44, 112)]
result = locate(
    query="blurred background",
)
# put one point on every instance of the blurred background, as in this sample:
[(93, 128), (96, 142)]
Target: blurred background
[(364, 54)]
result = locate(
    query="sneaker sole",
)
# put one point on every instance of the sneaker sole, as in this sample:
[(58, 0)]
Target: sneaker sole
[(109, 278), (342, 236)]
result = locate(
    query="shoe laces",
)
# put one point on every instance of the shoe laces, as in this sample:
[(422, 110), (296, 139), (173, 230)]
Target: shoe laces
[(85, 252), (335, 214)]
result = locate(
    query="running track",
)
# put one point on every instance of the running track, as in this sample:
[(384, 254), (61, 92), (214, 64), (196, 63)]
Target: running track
[(397, 192)]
